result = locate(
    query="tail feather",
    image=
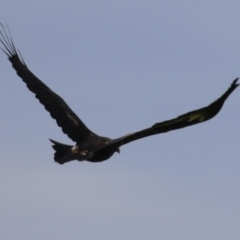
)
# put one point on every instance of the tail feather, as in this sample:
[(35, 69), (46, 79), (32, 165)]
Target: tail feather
[(63, 153)]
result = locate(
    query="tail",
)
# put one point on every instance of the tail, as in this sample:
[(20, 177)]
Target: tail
[(63, 153)]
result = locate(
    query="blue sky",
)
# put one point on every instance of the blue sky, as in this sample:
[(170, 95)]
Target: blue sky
[(122, 66)]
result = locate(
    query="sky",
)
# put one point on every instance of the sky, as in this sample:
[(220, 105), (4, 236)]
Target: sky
[(122, 66)]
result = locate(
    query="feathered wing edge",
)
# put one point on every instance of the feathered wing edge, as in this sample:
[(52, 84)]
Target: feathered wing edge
[(54, 104), (185, 120)]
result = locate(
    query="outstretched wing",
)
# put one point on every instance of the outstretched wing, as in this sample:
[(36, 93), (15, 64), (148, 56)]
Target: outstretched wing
[(54, 104), (185, 120)]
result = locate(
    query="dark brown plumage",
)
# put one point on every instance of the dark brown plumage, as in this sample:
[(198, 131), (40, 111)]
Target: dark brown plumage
[(89, 146)]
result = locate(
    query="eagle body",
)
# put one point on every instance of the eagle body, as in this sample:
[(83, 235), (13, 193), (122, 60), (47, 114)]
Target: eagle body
[(84, 151)]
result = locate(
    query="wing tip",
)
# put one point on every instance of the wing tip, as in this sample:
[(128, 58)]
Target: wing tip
[(235, 83)]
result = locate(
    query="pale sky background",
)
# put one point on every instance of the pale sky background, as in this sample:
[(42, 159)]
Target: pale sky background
[(122, 66)]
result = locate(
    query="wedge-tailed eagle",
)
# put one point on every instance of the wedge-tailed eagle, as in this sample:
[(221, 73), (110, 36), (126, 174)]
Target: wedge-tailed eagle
[(90, 146)]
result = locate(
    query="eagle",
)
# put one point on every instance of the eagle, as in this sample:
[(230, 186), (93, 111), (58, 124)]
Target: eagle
[(88, 145)]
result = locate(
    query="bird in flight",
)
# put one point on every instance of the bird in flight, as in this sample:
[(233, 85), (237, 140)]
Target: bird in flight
[(90, 146)]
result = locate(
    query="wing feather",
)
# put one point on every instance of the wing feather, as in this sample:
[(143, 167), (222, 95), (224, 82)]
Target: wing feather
[(53, 103), (185, 120)]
